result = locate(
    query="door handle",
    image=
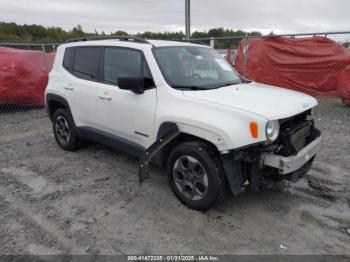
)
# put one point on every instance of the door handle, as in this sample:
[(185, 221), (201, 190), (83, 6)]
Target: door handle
[(69, 87), (105, 97)]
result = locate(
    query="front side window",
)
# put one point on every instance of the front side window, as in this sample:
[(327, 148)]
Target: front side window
[(86, 63), (125, 62), (195, 67)]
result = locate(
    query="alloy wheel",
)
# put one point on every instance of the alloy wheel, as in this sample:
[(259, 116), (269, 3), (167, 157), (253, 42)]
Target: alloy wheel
[(62, 130), (190, 178)]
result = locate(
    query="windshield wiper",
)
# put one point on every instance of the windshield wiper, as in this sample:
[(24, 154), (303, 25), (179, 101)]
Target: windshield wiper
[(189, 87), (228, 84)]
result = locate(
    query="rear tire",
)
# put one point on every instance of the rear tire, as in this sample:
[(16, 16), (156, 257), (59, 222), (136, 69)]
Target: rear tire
[(196, 175), (63, 129)]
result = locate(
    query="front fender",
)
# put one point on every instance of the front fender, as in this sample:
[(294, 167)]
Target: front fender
[(207, 135)]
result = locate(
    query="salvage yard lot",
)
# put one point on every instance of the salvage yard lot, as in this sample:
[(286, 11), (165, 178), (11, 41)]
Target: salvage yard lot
[(90, 201)]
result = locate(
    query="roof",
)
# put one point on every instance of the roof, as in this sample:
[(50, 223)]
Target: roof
[(116, 42)]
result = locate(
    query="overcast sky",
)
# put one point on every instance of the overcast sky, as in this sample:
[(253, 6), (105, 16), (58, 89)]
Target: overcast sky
[(281, 16)]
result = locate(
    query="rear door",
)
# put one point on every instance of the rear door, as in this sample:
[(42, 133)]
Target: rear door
[(121, 112), (83, 83)]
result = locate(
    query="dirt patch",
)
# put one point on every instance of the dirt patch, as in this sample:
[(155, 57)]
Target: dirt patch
[(90, 201)]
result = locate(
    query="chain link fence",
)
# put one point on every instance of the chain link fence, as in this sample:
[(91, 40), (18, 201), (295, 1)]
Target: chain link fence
[(313, 63)]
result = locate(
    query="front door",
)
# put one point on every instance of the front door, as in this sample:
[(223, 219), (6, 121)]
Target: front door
[(120, 112)]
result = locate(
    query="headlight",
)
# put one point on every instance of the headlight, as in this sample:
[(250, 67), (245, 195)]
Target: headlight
[(272, 130)]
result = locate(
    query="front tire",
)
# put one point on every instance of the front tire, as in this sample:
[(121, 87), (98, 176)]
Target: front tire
[(196, 175), (63, 129)]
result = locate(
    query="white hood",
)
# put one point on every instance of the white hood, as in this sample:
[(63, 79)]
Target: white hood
[(269, 102)]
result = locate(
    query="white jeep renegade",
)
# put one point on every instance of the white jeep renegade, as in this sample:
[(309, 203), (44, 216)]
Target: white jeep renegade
[(180, 105)]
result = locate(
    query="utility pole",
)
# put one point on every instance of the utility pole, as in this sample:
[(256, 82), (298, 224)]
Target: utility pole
[(188, 18)]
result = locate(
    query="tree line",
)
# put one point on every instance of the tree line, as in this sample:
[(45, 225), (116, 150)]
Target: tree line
[(12, 32)]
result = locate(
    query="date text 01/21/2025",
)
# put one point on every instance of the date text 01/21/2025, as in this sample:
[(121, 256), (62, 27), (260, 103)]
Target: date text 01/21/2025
[(173, 258)]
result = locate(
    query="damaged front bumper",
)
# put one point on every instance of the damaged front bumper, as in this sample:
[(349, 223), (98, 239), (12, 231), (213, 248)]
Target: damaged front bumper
[(287, 165), (257, 164)]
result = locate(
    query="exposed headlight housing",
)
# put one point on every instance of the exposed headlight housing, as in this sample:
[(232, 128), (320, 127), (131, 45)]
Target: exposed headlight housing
[(272, 130)]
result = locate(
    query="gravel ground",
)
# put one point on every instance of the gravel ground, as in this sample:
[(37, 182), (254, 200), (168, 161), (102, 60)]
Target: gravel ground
[(90, 201)]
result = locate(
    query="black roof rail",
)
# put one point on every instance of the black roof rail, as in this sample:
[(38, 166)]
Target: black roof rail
[(135, 39)]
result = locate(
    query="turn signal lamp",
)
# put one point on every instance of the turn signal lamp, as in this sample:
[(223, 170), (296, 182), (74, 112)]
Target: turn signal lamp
[(254, 130)]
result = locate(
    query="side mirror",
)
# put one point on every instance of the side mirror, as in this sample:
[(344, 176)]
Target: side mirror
[(132, 83)]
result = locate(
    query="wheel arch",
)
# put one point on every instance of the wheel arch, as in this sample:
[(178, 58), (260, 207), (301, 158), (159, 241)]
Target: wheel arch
[(54, 102), (187, 133)]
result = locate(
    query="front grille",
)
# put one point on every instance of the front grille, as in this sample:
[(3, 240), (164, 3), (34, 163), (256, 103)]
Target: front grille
[(295, 133), (293, 139)]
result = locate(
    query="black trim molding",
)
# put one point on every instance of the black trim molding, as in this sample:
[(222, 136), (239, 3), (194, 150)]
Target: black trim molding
[(112, 141)]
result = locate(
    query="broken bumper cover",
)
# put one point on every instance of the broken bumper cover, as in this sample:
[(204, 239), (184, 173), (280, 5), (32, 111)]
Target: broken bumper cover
[(286, 165)]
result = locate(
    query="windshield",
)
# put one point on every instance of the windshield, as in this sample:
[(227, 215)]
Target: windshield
[(195, 67)]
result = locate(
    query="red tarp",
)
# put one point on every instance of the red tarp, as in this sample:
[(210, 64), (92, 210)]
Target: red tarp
[(23, 76), (316, 66), (344, 85)]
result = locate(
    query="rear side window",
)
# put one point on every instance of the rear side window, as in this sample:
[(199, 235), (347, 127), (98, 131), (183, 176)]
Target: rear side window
[(86, 63), (125, 62), (68, 59)]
